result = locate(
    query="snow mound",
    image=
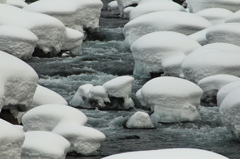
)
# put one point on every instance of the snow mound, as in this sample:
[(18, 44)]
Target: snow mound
[(215, 15), (182, 22), (99, 95), (139, 120), (126, 3), (171, 99), (225, 90), (229, 111), (17, 41), (47, 117), (17, 3), (42, 144), (155, 6), (200, 36), (113, 6), (203, 63), (155, 52), (234, 18), (11, 139), (84, 140), (212, 84), (197, 5), (174, 153), (127, 11)]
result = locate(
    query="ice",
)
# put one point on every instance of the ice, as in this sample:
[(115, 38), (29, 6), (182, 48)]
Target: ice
[(43, 144), (169, 99), (154, 6), (203, 63), (161, 51), (126, 3), (17, 41), (174, 153), (17, 3), (139, 120), (11, 139), (182, 22)]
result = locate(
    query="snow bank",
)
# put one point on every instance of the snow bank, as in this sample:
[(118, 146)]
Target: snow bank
[(174, 153), (140, 120), (11, 139), (171, 99), (154, 6), (18, 41), (17, 3), (200, 36), (215, 15), (225, 90), (84, 140), (197, 5), (229, 111), (234, 18), (126, 3), (156, 52), (181, 22), (42, 144), (47, 117), (203, 63), (127, 11)]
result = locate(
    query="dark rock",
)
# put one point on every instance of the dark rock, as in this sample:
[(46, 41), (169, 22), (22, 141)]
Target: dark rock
[(6, 115)]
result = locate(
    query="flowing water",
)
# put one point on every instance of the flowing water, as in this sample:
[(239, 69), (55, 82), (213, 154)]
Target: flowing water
[(102, 61)]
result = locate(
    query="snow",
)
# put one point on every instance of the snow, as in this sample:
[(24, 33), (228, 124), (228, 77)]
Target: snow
[(200, 36), (197, 5), (3, 1), (229, 111), (174, 153), (17, 3), (154, 6), (11, 139), (84, 140), (17, 41), (99, 94), (215, 15), (113, 6), (139, 120), (225, 90), (127, 11), (203, 63), (146, 1), (47, 117), (126, 3), (234, 18), (49, 30), (171, 99), (161, 51), (42, 144), (182, 22)]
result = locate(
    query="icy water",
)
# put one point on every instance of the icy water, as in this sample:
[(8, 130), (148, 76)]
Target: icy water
[(102, 61)]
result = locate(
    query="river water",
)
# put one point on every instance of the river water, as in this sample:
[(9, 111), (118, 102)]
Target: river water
[(102, 61)]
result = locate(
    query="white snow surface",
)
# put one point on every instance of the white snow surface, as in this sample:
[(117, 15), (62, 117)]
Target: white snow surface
[(203, 63), (113, 6), (155, 6), (225, 90), (47, 117), (140, 120), (234, 18), (127, 11), (172, 99), (197, 5), (200, 36), (43, 144), (215, 15), (84, 140), (11, 139), (229, 111), (3, 1), (99, 94), (182, 22), (17, 41), (160, 51), (17, 3), (174, 153), (146, 1), (125, 3)]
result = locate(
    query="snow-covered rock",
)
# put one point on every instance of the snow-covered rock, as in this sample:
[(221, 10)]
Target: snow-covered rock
[(18, 82), (215, 15), (84, 140), (47, 117), (225, 90), (49, 30), (161, 51), (17, 3), (200, 36), (171, 99), (127, 11), (11, 139), (146, 1), (99, 95), (17, 41), (229, 111), (113, 6), (197, 5), (42, 144), (234, 18), (203, 62), (140, 120), (175, 153), (155, 6), (212, 84), (182, 22), (126, 3)]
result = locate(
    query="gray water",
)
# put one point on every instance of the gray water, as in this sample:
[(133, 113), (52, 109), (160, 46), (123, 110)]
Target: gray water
[(102, 61)]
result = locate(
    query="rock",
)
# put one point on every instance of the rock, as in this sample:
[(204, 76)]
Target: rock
[(140, 120)]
